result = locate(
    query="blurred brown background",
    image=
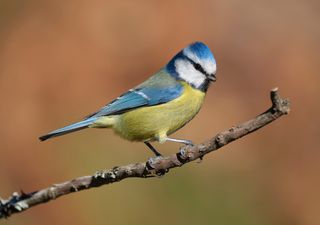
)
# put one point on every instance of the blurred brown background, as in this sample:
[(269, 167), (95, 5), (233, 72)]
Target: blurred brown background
[(61, 60)]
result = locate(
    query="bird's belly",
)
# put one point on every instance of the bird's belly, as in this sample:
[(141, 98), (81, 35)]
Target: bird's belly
[(148, 123)]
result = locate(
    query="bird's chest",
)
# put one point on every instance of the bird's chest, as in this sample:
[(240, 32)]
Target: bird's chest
[(148, 122)]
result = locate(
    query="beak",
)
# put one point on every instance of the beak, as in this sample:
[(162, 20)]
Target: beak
[(212, 77)]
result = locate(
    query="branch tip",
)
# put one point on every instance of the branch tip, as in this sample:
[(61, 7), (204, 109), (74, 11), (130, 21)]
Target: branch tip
[(279, 104)]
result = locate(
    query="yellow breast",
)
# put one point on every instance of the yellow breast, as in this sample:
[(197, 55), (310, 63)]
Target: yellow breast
[(155, 122)]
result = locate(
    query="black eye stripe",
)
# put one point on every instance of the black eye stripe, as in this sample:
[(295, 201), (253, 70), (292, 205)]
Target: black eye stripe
[(198, 67)]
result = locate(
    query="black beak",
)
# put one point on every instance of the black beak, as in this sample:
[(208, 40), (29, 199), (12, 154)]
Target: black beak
[(212, 77)]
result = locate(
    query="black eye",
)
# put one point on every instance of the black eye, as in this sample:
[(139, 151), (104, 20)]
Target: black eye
[(197, 66)]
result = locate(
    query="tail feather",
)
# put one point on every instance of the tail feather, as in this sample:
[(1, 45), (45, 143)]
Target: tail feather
[(68, 129)]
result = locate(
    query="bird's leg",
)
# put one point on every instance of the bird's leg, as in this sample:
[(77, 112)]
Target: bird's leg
[(186, 142), (152, 149)]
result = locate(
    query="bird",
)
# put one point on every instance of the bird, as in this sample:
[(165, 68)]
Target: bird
[(160, 105)]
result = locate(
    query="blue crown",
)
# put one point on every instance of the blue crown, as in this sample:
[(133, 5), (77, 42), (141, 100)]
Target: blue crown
[(201, 50)]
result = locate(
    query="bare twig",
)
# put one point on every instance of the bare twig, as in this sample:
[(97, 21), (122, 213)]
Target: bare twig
[(157, 166)]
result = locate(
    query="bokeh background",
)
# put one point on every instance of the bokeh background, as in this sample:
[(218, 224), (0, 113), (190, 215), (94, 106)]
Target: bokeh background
[(61, 60)]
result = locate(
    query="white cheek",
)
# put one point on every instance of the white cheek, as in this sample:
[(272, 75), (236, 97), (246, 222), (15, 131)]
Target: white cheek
[(189, 74)]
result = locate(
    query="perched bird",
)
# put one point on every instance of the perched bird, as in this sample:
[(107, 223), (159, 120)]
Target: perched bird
[(159, 106)]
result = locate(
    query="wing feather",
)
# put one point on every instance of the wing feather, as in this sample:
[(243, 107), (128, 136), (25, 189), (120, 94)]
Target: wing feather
[(159, 89)]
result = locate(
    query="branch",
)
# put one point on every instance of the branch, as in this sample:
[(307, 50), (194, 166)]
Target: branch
[(156, 166)]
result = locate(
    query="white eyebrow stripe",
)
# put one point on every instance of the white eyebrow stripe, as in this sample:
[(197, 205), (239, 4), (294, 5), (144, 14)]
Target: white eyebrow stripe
[(142, 95), (191, 55)]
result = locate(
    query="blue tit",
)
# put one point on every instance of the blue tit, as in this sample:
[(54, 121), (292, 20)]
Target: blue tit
[(159, 106)]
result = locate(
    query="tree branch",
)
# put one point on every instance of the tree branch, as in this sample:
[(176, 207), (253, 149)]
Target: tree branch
[(156, 166)]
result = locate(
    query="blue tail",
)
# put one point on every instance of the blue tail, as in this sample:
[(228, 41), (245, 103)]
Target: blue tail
[(68, 129)]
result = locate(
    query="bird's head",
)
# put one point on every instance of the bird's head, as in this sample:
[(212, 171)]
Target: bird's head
[(195, 65)]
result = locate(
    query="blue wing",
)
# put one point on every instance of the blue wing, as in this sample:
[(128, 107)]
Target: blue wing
[(159, 89)]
